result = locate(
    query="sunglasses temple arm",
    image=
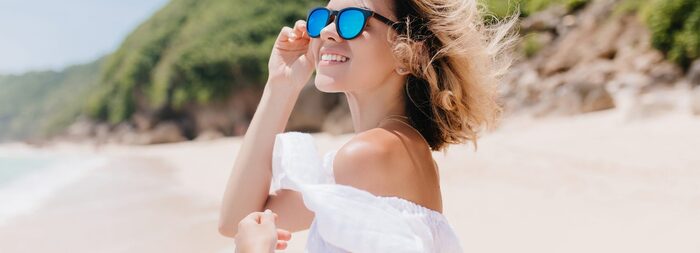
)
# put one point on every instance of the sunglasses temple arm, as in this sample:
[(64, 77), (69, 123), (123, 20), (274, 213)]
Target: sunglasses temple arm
[(384, 19)]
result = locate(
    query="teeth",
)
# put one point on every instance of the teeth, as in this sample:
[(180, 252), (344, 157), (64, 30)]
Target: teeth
[(333, 57)]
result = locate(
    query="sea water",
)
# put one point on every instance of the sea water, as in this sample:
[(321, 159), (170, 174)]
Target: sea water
[(14, 167), (26, 180)]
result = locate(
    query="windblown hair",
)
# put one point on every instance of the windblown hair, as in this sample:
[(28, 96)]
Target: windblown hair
[(455, 60)]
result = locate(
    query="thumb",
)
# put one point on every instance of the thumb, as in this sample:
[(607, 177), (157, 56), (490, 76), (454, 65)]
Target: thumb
[(267, 217)]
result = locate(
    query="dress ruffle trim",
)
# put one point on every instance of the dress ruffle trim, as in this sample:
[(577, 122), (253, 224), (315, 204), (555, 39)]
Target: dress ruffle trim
[(344, 215)]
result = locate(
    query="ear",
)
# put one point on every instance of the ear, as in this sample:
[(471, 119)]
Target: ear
[(401, 70)]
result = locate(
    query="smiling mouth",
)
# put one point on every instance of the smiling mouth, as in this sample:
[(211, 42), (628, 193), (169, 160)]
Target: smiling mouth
[(329, 59)]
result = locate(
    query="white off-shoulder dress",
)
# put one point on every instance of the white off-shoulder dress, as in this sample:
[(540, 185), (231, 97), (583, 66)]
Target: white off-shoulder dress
[(349, 219)]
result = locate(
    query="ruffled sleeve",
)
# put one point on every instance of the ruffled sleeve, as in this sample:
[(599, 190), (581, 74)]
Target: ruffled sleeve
[(346, 217), (295, 161)]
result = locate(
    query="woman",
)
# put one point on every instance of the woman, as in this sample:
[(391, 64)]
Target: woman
[(418, 75)]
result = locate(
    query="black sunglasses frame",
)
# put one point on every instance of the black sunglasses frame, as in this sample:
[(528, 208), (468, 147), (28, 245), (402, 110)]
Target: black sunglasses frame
[(334, 14)]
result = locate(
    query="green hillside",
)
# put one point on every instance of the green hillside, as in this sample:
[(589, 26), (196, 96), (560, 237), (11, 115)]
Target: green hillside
[(192, 51), (41, 103)]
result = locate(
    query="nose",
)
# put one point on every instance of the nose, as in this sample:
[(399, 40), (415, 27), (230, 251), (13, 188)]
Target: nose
[(330, 33)]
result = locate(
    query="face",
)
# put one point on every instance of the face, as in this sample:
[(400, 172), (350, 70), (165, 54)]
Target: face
[(369, 58)]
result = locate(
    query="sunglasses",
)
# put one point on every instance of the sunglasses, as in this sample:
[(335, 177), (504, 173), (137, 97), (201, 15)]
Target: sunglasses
[(349, 22)]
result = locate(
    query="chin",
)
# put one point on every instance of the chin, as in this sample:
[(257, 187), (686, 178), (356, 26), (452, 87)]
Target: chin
[(328, 84)]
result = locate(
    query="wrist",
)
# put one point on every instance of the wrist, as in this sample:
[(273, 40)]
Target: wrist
[(282, 92), (283, 86), (260, 247)]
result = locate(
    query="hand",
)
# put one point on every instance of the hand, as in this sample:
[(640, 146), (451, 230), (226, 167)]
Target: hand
[(257, 234), (291, 62)]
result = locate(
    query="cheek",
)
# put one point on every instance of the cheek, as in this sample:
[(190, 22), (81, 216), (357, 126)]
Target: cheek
[(372, 62), (314, 47)]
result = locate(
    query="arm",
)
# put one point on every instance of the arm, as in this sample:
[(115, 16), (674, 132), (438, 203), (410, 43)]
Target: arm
[(248, 186), (249, 182)]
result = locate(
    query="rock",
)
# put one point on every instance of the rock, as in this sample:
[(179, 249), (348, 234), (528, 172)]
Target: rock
[(209, 135), (602, 42), (240, 128), (527, 92), (592, 37), (694, 73), (597, 99), (657, 103), (102, 132), (164, 132), (642, 62), (580, 90), (547, 19), (229, 117), (217, 118), (564, 100), (665, 73), (82, 128), (695, 101), (133, 138), (142, 121), (630, 80), (635, 106), (597, 72), (575, 98), (120, 131), (626, 102), (311, 109), (521, 88)]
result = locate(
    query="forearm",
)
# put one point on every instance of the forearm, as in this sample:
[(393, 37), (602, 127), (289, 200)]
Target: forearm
[(248, 186)]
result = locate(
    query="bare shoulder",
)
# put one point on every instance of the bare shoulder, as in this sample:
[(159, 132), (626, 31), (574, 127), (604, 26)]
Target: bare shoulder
[(368, 161), (384, 161)]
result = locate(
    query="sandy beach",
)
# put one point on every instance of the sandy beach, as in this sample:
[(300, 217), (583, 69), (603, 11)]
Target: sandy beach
[(588, 183)]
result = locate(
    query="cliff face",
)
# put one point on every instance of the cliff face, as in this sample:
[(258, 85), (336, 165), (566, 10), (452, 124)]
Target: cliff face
[(599, 57)]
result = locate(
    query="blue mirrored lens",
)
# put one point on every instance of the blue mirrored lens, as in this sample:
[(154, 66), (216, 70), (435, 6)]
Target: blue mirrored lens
[(317, 21), (351, 23)]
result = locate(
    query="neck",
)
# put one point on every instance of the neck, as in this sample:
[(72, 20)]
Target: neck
[(368, 108)]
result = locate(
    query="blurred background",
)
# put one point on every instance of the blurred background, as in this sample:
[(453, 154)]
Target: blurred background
[(120, 122)]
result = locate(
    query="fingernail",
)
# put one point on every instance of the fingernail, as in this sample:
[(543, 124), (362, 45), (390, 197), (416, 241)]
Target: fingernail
[(268, 211)]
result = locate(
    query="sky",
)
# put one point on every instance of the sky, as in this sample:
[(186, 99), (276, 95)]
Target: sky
[(51, 34)]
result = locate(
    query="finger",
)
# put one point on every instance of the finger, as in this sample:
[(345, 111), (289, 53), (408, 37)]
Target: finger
[(274, 215), (283, 235), (252, 218), (281, 245), (299, 30), (267, 217), (284, 34)]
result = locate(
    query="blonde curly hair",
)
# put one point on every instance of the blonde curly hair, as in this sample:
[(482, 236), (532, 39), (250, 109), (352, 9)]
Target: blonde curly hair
[(455, 60)]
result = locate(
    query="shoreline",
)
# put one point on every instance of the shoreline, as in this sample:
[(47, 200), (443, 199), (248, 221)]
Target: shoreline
[(131, 204)]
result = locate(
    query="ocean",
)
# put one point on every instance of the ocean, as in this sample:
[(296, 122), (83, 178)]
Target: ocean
[(26, 180)]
